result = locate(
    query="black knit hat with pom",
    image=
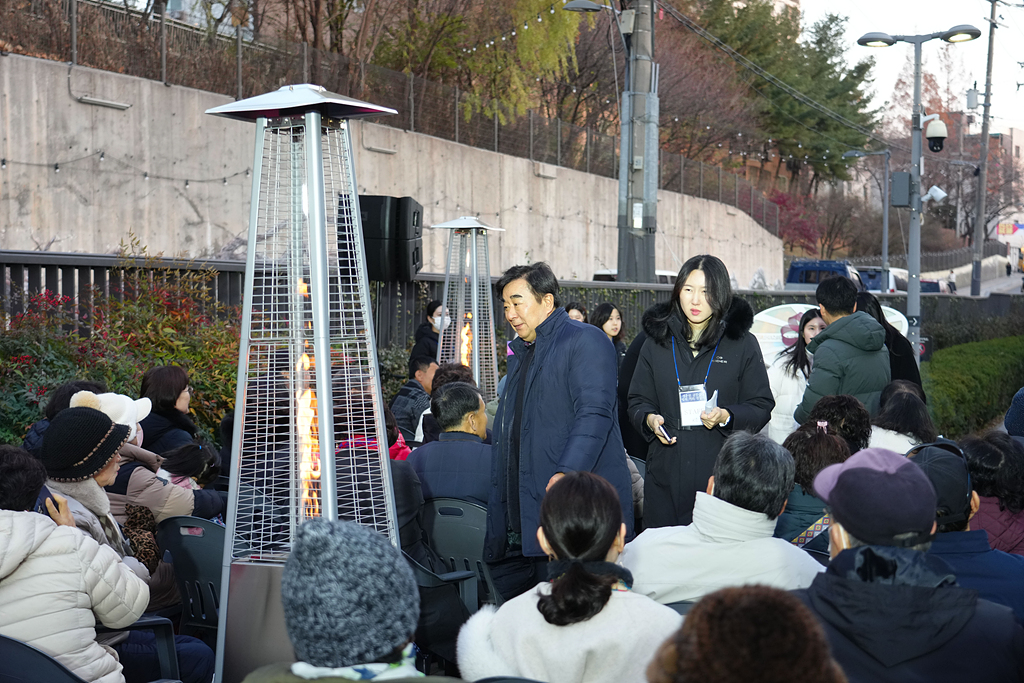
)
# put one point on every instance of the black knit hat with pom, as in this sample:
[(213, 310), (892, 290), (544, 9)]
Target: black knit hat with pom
[(79, 443)]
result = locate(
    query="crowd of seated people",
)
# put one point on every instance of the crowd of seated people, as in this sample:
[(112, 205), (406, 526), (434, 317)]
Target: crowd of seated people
[(859, 549)]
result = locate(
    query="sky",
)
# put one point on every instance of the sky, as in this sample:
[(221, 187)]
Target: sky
[(914, 17)]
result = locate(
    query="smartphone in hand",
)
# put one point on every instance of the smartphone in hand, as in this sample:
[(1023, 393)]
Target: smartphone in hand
[(664, 433), (45, 495)]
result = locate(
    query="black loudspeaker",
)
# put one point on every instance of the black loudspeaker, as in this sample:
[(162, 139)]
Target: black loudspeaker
[(379, 217), (409, 248)]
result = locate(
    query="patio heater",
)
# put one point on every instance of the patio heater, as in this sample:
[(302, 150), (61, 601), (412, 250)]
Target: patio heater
[(469, 337), (309, 437)]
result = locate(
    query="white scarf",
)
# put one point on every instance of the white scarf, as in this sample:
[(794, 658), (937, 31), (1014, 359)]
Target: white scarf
[(404, 668)]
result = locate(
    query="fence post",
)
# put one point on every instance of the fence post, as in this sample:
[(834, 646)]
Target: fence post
[(736, 191), (495, 130), (586, 141), (719, 184), (530, 117), (558, 134), (682, 174), (238, 49), (163, 42), (456, 115), (74, 31), (305, 62), (700, 180), (412, 105)]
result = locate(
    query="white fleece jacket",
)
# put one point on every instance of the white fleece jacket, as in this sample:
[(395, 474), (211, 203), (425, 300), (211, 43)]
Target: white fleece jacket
[(55, 583), (613, 646)]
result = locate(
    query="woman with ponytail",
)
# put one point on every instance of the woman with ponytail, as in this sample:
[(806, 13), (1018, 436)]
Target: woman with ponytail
[(585, 624)]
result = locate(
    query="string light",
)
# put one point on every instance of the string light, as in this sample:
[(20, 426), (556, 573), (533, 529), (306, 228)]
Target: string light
[(3, 163), (56, 168)]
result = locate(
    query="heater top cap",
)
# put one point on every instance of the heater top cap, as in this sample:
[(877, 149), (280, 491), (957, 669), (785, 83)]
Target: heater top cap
[(292, 100), (464, 223)]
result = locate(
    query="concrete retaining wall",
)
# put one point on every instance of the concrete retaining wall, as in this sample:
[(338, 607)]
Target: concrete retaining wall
[(555, 214)]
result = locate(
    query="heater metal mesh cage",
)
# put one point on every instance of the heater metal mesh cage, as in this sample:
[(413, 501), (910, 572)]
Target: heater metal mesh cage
[(469, 337), (296, 418)]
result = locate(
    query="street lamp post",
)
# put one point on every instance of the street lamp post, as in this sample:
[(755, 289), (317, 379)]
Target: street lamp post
[(957, 34), (885, 208), (638, 143)]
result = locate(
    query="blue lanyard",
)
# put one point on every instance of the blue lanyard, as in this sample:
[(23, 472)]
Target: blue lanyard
[(676, 363)]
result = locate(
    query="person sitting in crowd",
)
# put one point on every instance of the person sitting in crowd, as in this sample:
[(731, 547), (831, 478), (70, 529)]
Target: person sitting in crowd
[(576, 311), (192, 467), (80, 453), (413, 399), (1013, 422), (996, 462), (429, 331), (458, 464), (892, 612), (428, 429), (847, 418), (902, 359), (997, 576), (787, 374), (805, 521), (56, 582), (59, 400), (849, 355), (583, 625), (350, 607), (739, 635), (168, 425), (903, 420), (730, 540)]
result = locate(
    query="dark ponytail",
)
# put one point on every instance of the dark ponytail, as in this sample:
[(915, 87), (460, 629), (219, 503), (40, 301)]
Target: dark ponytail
[(581, 516)]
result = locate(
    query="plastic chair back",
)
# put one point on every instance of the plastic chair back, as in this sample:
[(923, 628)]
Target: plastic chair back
[(455, 530), (22, 663), (682, 607), (197, 548)]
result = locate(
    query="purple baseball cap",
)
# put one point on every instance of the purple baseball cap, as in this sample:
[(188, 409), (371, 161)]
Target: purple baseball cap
[(878, 494)]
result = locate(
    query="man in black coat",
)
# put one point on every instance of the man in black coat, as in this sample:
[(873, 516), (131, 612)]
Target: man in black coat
[(892, 612), (557, 415)]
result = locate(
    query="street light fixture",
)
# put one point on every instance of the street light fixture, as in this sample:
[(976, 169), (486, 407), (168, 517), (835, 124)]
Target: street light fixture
[(638, 142), (957, 34), (856, 153)]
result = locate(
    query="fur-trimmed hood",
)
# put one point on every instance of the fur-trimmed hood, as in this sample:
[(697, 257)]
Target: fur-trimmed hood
[(660, 323)]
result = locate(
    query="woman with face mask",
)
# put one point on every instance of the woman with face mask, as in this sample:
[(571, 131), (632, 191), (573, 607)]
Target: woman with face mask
[(428, 331), (699, 377)]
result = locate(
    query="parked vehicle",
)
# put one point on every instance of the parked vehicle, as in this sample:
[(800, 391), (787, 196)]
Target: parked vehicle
[(804, 276), (663, 277), (872, 278)]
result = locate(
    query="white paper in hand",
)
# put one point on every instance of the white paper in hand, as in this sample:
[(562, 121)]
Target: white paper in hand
[(712, 402)]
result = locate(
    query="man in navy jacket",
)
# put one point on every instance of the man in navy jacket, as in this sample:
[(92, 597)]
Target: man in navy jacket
[(458, 464), (557, 415)]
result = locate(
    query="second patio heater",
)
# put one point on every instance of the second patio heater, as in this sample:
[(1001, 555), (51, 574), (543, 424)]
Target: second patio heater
[(469, 336), (309, 436)]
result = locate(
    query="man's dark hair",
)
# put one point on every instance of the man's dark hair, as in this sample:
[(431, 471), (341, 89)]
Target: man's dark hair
[(996, 463), (846, 416), (419, 363), (754, 473), (902, 410), (837, 294), (163, 385), (21, 478), (452, 372), (813, 449), (538, 276), (451, 403), (60, 399)]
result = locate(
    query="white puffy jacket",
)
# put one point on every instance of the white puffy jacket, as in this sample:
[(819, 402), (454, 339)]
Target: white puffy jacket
[(55, 583)]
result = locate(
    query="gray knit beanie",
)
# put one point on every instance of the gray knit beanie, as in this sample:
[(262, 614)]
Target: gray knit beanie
[(349, 596)]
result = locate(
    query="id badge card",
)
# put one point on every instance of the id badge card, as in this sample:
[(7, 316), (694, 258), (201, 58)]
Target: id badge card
[(692, 400)]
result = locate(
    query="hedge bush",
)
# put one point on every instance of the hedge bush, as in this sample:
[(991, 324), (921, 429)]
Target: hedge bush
[(971, 385)]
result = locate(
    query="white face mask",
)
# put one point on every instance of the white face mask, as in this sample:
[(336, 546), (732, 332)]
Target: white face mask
[(440, 323)]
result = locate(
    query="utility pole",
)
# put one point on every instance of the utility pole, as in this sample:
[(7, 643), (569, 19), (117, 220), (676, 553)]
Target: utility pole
[(980, 222), (638, 165)]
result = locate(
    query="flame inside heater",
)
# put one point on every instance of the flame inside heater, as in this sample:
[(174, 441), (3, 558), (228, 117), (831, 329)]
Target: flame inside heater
[(466, 340), (308, 433)]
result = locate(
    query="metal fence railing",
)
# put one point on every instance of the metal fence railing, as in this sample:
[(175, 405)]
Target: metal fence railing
[(936, 260), (114, 37)]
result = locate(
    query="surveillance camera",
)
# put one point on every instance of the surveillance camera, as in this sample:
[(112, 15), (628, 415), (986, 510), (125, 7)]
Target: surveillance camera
[(936, 134), (936, 193)]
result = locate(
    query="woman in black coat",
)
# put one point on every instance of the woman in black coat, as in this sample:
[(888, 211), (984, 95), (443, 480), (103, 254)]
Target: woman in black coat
[(699, 340), (902, 362), (428, 332), (168, 425)]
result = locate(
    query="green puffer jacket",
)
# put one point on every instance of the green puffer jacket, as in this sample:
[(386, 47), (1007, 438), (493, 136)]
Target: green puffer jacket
[(849, 358)]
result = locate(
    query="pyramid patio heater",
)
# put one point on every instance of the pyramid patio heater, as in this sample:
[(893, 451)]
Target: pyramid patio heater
[(469, 337), (309, 436)]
